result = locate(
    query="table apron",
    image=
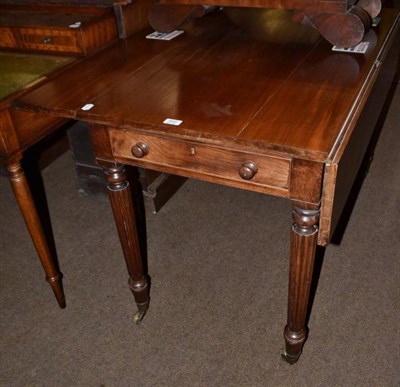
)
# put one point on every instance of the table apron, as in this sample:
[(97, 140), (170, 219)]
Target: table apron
[(203, 161)]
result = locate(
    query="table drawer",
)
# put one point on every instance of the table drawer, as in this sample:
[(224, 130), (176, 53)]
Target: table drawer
[(200, 159), (50, 40)]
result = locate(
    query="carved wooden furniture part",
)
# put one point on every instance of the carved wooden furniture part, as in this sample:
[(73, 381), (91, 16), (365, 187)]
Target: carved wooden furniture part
[(343, 23), (223, 105)]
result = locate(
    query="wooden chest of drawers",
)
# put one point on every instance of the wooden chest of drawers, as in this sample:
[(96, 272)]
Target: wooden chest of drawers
[(61, 30)]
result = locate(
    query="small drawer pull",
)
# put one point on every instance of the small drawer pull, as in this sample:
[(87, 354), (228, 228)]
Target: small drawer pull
[(248, 170), (47, 40), (140, 149)]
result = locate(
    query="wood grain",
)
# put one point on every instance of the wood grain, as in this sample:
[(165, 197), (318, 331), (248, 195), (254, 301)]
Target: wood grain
[(192, 78)]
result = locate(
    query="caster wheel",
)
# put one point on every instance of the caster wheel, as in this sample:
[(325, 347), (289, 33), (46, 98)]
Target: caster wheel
[(138, 317)]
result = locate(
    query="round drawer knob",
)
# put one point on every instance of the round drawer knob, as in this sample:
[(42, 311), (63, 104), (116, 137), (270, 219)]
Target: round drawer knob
[(140, 149), (248, 170), (47, 40)]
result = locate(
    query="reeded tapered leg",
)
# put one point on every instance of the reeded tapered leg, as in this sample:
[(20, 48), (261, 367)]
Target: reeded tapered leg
[(125, 218), (302, 253), (28, 209)]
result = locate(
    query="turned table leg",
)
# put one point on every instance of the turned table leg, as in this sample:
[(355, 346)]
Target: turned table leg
[(125, 219), (29, 212), (302, 253)]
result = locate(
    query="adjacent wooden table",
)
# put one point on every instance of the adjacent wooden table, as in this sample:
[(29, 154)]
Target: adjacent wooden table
[(19, 130), (278, 113), (39, 29)]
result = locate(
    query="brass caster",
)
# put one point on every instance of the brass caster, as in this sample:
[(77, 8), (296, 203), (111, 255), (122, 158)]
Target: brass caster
[(138, 317), (288, 358)]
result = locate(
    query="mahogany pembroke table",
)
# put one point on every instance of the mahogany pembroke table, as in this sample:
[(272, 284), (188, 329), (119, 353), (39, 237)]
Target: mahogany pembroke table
[(280, 114)]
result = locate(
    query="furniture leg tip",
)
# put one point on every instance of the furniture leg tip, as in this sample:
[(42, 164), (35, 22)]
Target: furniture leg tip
[(62, 304), (57, 287), (138, 317), (289, 358)]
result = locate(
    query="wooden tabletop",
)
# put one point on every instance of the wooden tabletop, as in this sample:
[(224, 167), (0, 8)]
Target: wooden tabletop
[(226, 83)]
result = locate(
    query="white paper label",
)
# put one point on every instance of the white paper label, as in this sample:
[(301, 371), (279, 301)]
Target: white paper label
[(75, 25), (88, 106), (164, 35), (361, 48), (171, 121)]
